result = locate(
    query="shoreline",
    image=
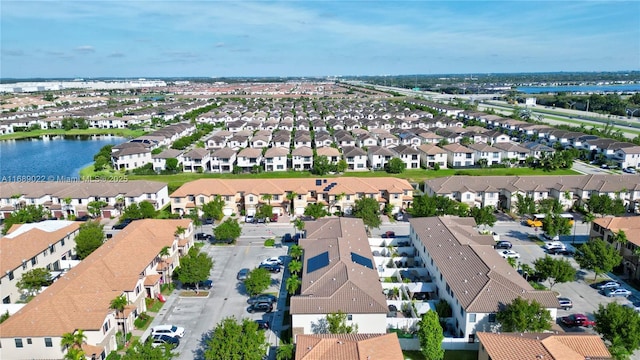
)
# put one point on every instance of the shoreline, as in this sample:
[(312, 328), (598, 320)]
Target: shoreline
[(125, 133)]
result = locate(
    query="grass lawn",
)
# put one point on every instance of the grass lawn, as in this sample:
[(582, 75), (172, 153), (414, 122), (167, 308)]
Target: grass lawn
[(448, 355), (154, 305), (37, 133)]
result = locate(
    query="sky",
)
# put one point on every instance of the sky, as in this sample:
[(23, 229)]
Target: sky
[(93, 38)]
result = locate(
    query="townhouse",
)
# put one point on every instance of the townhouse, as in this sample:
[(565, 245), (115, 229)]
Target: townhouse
[(430, 155), (409, 156), (248, 158), (336, 194), (197, 160), (485, 153), (501, 191), (131, 155), (607, 229), (338, 275), (37, 245), (128, 265), (469, 274), (223, 160), (160, 160), (332, 154), (552, 346), (459, 156), (302, 158), (379, 156), (356, 158), (64, 199), (275, 159)]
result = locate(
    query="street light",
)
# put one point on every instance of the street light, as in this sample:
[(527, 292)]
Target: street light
[(575, 225)]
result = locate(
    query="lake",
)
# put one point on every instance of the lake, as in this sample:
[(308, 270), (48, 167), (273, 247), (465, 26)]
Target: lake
[(577, 88), (50, 156)]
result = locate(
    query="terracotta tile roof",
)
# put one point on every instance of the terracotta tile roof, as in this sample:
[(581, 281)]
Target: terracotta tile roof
[(535, 346), (630, 226), (340, 284), (25, 241), (480, 279), (80, 298), (348, 347)]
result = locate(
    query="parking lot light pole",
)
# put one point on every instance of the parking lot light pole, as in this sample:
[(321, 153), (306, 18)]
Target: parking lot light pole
[(575, 225)]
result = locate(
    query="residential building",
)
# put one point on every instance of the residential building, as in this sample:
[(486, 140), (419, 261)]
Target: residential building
[(128, 265), (548, 346), (469, 274), (512, 151), (332, 154), (430, 155), (275, 159), (484, 152), (247, 158), (348, 347), (35, 245), (130, 157), (338, 275), (607, 228), (409, 156), (223, 160), (459, 156), (160, 160), (379, 156), (302, 158), (356, 158)]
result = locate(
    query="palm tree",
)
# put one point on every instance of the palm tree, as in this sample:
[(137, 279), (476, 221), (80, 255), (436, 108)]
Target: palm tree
[(72, 342), (179, 231), (299, 224), (293, 283), (161, 255), (267, 197), (295, 266), (291, 197), (621, 238), (295, 251), (74, 354), (285, 351), (588, 218), (119, 304)]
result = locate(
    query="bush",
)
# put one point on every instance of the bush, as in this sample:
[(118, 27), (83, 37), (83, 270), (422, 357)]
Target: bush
[(270, 242)]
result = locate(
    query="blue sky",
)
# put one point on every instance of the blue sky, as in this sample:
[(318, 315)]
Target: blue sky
[(92, 38)]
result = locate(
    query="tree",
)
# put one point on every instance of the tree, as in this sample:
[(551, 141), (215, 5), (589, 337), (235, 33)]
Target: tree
[(315, 210), (598, 256), (554, 224), (74, 354), (25, 214), (89, 238), (525, 205), (295, 266), (368, 210), (267, 198), (95, 208), (483, 162), (395, 166), (293, 284), (321, 165), (228, 230), (285, 351), (291, 196), (235, 340), (194, 267), (524, 316), (620, 325), (555, 270), (549, 205), (258, 280), (338, 324), (213, 209), (171, 165), (72, 342), (296, 251), (483, 215), (119, 304), (265, 211), (33, 280), (341, 166), (430, 336)]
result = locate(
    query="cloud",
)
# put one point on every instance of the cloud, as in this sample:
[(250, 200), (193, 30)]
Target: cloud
[(116, 55), (8, 52), (85, 49)]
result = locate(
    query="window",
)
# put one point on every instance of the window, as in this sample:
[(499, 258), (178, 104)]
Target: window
[(349, 317), (48, 342), (10, 274), (52, 248), (201, 199), (62, 242), (24, 265), (492, 317), (19, 343), (6, 300), (29, 341), (34, 260), (45, 252), (472, 318), (250, 199), (105, 327)]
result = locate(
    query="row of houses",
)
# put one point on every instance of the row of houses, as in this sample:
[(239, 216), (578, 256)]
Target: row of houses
[(502, 192), (130, 264), (291, 195)]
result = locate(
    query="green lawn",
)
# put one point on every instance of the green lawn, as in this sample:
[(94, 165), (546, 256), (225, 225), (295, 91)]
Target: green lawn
[(37, 133), (448, 355)]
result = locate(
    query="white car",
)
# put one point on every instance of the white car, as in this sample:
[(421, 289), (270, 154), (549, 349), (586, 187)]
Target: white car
[(617, 292), (635, 306), (272, 261), (171, 330), (553, 245), (509, 254)]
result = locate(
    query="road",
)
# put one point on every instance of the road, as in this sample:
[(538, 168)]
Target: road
[(589, 169)]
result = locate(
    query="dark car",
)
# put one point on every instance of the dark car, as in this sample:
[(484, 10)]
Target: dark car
[(161, 340), (262, 298), (83, 218), (560, 251), (532, 276), (503, 245), (274, 268), (215, 240), (577, 320), (207, 221), (123, 224), (242, 274), (287, 238), (260, 307), (203, 236), (203, 285), (389, 235), (262, 324)]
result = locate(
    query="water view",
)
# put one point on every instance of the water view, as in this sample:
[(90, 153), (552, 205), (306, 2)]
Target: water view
[(579, 88), (50, 156)]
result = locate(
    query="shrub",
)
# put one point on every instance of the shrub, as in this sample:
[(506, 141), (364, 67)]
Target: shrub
[(270, 242)]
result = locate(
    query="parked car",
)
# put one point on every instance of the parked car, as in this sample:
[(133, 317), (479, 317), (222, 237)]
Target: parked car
[(533, 276), (272, 260), (171, 330), (123, 224), (260, 307), (553, 245), (262, 324), (560, 251), (274, 218), (608, 284), (509, 254), (242, 274), (274, 268), (161, 340), (83, 218), (549, 238), (615, 292), (565, 303), (577, 320), (262, 298), (214, 240), (203, 236), (207, 221), (287, 238), (203, 285), (503, 245), (634, 305), (249, 219), (261, 220)]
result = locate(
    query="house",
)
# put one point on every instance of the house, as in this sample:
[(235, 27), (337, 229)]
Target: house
[(379, 156), (487, 153), (259, 142), (338, 275), (430, 155), (512, 151), (628, 157), (332, 154), (548, 346), (348, 347), (197, 160), (160, 160), (128, 265), (36, 245), (129, 156), (248, 158), (607, 228), (223, 160), (469, 274), (302, 158), (366, 140), (408, 155), (458, 155), (356, 158), (275, 159)]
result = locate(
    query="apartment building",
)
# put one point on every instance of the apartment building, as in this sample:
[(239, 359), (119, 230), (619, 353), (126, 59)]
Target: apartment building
[(127, 265), (607, 229), (37, 245), (469, 274)]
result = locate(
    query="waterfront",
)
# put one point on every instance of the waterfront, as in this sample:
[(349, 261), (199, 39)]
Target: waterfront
[(580, 88), (57, 156)]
